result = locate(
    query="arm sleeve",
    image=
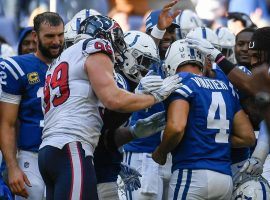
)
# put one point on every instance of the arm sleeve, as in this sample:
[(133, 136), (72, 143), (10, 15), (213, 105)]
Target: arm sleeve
[(262, 148), (11, 81)]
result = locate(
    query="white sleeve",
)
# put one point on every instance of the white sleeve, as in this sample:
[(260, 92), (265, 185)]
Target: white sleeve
[(10, 98), (262, 148)]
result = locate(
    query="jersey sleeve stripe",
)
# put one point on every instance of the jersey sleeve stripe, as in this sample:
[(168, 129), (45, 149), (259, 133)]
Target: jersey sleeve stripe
[(182, 92), (187, 89), (9, 68), (10, 98), (15, 64)]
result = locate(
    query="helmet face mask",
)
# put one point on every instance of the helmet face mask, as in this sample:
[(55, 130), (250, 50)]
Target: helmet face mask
[(144, 61), (141, 55)]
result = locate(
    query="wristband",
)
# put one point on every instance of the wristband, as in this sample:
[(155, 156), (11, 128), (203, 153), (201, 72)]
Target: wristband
[(156, 33), (220, 59), (225, 65)]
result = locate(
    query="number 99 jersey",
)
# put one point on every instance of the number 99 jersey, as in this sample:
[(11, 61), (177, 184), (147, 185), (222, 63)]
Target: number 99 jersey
[(70, 104)]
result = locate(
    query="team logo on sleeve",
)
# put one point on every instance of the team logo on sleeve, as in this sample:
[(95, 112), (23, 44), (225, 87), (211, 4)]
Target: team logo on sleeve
[(33, 78)]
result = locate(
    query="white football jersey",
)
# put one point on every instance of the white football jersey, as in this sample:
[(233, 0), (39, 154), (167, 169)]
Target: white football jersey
[(70, 104)]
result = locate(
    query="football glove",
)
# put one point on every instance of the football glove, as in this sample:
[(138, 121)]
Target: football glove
[(169, 85), (148, 84), (130, 177), (148, 126), (253, 166), (204, 46)]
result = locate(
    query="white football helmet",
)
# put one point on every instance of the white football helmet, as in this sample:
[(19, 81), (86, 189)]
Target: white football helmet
[(253, 188), (205, 33), (141, 54), (72, 27), (179, 54), (226, 42), (187, 20)]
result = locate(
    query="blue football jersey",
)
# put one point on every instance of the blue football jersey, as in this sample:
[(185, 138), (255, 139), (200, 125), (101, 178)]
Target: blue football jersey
[(205, 144), (23, 78), (148, 144), (237, 154)]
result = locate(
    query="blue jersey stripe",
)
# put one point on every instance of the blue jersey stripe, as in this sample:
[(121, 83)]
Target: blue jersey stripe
[(178, 184), (263, 190), (15, 64), (189, 175)]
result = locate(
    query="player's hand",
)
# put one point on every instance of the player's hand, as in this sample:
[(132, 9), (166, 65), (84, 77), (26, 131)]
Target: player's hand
[(169, 85), (149, 126), (130, 177), (166, 18), (17, 180), (204, 46), (253, 166), (148, 84), (159, 157)]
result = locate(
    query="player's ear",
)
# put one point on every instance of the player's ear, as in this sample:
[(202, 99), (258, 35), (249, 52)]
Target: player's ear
[(35, 36)]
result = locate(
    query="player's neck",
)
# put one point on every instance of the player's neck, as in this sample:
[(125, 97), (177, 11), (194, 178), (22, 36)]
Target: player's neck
[(43, 58)]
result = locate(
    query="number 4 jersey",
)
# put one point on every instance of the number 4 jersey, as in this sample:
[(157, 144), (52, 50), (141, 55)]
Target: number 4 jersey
[(71, 106), (205, 144), (23, 78)]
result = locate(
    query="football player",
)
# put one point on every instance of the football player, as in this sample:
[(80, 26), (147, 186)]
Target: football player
[(141, 54), (21, 99), (139, 58), (161, 25), (258, 83), (76, 83), (201, 115), (241, 47)]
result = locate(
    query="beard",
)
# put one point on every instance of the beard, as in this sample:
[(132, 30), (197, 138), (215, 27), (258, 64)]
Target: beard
[(46, 50)]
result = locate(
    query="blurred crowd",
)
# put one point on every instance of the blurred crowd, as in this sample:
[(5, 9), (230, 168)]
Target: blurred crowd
[(16, 14)]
